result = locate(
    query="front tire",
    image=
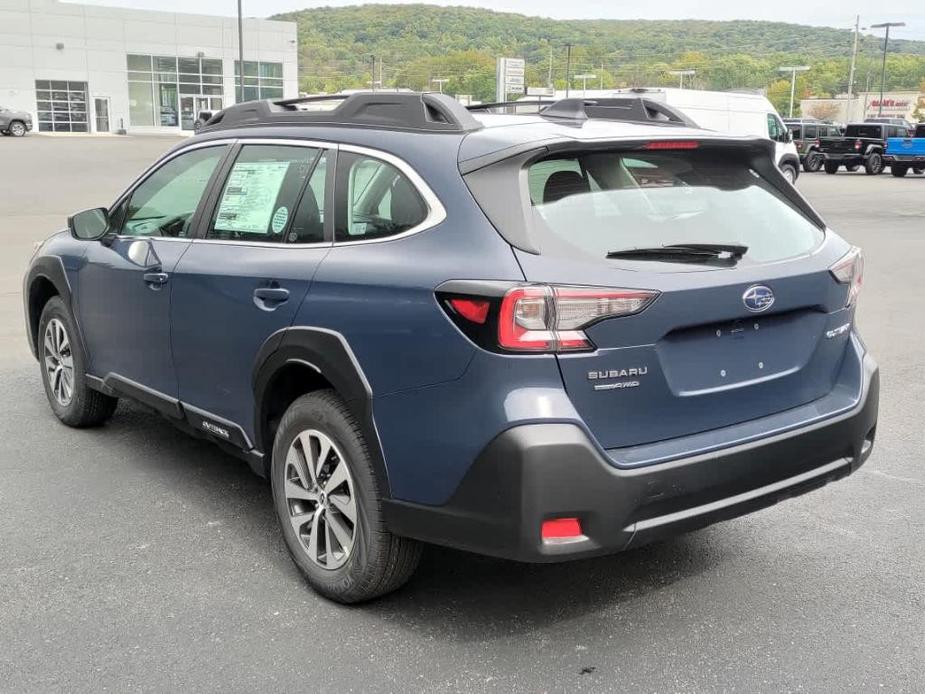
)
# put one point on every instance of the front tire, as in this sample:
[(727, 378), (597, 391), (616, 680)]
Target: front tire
[(64, 370), (917, 171), (831, 167), (329, 506), (17, 128), (899, 170), (790, 173), (852, 167)]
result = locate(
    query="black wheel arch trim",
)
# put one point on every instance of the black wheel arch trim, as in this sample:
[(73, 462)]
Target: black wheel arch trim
[(328, 353), (49, 268)]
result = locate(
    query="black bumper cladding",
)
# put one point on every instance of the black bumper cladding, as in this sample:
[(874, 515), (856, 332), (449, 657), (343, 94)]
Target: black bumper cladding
[(538, 472)]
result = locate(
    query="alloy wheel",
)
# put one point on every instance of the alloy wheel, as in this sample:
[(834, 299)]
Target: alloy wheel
[(320, 497), (59, 362), (17, 129)]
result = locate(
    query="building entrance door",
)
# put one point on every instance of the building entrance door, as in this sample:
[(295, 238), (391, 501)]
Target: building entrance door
[(192, 106), (101, 114)]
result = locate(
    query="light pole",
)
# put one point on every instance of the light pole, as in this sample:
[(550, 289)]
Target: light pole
[(584, 77), (681, 74), (568, 67), (240, 54), (793, 70), (886, 40), (440, 82)]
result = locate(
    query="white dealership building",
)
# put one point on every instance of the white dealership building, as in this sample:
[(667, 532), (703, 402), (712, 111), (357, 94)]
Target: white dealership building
[(92, 68)]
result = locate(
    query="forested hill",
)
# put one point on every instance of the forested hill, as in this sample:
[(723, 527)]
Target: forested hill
[(417, 43)]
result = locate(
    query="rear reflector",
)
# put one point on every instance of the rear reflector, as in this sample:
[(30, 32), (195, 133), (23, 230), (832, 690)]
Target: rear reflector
[(475, 310), (672, 144), (560, 529)]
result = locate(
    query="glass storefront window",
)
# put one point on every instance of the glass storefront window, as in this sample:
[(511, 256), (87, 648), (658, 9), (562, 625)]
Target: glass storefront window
[(140, 103), (261, 80), (156, 83)]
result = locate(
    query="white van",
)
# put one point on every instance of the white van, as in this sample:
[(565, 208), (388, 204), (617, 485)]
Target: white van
[(732, 112)]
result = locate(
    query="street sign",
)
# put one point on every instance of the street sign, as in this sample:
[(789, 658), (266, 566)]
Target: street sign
[(541, 91), (510, 77)]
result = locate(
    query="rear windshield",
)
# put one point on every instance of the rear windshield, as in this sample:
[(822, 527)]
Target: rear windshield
[(872, 131), (598, 202)]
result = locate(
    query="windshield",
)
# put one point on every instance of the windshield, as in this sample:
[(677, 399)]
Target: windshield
[(871, 131), (598, 202)]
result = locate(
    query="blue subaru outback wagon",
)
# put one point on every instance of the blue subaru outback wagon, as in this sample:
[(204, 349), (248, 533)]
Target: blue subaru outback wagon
[(542, 337)]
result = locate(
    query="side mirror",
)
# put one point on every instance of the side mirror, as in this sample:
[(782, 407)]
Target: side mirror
[(89, 225)]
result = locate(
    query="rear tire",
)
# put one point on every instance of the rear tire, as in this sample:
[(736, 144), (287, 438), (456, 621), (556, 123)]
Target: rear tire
[(899, 170), (812, 162), (64, 370), (831, 167), (873, 166), (322, 474)]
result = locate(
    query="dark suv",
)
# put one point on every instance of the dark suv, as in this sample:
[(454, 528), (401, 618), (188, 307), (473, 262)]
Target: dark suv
[(540, 337), (863, 144), (806, 137)]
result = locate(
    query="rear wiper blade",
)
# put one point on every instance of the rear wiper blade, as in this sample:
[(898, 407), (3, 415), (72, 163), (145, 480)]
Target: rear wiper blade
[(684, 252)]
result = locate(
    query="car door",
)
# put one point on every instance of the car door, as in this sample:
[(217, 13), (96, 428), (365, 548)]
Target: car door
[(267, 230), (124, 285)]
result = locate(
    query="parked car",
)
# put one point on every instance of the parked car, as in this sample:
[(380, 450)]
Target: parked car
[(201, 119), (543, 337), (13, 122), (861, 145), (731, 112), (904, 153), (806, 135)]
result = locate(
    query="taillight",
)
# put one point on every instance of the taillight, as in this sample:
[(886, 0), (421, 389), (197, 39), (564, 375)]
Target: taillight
[(857, 144), (550, 319), (850, 270), (536, 318)]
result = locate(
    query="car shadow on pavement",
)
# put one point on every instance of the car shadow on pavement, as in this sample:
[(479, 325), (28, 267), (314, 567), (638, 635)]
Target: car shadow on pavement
[(454, 595), (467, 597)]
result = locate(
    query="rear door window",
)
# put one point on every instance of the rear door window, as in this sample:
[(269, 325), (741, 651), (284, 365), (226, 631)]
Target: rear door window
[(374, 199), (597, 202)]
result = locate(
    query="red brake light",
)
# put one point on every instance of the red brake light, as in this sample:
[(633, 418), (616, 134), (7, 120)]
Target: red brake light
[(561, 529), (672, 144), (475, 310), (546, 318), (857, 144)]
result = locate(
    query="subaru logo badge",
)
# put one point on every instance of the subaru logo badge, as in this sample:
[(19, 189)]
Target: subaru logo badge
[(758, 298)]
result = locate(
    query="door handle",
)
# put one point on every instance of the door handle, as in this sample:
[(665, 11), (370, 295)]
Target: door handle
[(156, 279), (270, 298)]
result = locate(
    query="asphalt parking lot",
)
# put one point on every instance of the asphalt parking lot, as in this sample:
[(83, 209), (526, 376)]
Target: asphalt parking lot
[(135, 558)]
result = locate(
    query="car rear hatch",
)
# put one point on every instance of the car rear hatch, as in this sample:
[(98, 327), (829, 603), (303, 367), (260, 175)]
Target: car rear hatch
[(718, 339)]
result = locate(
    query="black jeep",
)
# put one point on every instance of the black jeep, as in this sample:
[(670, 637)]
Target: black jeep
[(862, 144), (806, 135)]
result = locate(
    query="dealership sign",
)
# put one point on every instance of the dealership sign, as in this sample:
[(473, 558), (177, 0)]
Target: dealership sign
[(510, 77)]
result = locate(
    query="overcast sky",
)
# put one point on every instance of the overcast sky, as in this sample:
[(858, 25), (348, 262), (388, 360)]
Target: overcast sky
[(837, 13)]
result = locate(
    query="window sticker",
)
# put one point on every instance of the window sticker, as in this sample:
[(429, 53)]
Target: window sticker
[(250, 195), (280, 217)]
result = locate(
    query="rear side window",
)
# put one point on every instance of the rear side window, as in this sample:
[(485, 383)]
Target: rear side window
[(871, 131), (797, 131), (597, 202), (260, 197), (810, 132), (374, 199)]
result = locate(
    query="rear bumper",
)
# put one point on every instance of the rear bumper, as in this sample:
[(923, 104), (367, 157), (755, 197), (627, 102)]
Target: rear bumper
[(535, 472), (845, 159), (910, 159)]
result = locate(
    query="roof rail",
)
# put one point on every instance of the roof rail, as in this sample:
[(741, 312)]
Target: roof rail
[(633, 108), (428, 112), (637, 109)]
